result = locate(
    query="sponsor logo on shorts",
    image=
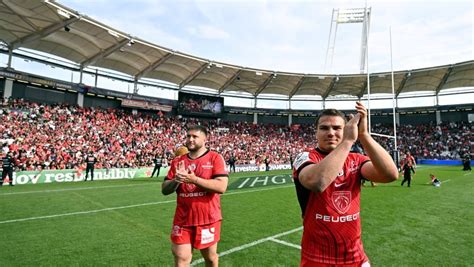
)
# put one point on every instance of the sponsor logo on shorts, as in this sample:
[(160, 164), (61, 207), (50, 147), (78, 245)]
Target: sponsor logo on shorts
[(207, 235)]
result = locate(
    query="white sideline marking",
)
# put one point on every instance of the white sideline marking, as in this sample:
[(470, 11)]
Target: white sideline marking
[(469, 173), (70, 189), (263, 189), (285, 243), (251, 244), (442, 182), (123, 207), (85, 212)]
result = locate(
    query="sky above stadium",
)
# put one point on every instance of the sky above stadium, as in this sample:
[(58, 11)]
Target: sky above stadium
[(293, 35)]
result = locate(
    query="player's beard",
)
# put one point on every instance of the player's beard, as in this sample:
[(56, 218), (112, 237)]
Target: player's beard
[(193, 148)]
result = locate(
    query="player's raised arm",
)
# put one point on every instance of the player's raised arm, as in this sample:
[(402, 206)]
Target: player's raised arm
[(381, 168)]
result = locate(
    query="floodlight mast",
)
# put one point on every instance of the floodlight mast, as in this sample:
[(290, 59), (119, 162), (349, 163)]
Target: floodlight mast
[(345, 16)]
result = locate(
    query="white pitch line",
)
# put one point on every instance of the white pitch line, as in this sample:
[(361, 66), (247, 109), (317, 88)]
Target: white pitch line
[(85, 212), (469, 173), (445, 181), (248, 245), (285, 243), (71, 189), (263, 189), (122, 207)]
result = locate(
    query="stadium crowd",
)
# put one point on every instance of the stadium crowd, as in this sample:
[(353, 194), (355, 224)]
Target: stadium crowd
[(60, 136)]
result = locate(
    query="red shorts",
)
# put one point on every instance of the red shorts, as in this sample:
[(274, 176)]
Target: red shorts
[(307, 263), (200, 237)]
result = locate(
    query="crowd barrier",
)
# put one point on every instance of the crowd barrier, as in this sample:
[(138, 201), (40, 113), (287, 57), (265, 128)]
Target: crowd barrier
[(73, 175), (441, 162), (61, 176)]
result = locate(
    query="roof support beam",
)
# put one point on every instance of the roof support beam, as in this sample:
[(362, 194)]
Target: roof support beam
[(230, 81), (153, 66), (104, 53), (330, 87), (443, 81), (265, 84), (402, 84), (23, 18), (194, 75), (297, 87), (43, 33)]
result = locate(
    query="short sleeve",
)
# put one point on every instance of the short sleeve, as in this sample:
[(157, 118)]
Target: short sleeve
[(302, 160), (218, 169)]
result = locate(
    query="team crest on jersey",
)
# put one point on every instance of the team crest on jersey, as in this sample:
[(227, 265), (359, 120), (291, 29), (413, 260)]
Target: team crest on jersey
[(190, 187), (341, 200), (192, 166), (341, 173)]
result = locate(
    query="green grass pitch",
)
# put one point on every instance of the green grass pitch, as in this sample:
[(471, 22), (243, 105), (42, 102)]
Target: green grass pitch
[(127, 222)]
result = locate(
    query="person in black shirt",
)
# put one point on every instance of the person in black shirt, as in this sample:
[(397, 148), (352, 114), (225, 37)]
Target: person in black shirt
[(267, 163), (7, 165), (231, 162), (466, 162), (407, 170), (90, 161), (158, 161)]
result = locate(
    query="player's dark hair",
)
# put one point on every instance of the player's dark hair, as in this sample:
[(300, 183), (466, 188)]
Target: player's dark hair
[(330, 112), (198, 128)]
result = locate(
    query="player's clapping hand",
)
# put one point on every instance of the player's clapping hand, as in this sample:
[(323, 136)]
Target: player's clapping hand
[(362, 125), (184, 175), (351, 129), (191, 177), (181, 172)]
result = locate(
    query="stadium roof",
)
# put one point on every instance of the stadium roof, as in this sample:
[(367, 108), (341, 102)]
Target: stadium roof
[(50, 27)]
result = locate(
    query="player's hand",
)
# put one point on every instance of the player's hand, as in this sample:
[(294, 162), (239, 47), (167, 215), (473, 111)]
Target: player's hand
[(191, 177), (351, 129), (180, 172), (362, 111)]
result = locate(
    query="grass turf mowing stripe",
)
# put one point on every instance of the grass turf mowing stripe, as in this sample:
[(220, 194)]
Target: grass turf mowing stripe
[(124, 207), (71, 189), (251, 244)]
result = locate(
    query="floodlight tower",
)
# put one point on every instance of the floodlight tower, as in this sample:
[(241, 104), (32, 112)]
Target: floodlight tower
[(343, 16)]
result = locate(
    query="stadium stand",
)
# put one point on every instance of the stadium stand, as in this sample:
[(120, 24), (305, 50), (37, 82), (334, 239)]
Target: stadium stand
[(58, 136)]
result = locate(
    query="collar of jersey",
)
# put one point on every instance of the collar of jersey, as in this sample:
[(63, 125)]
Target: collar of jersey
[(189, 157), (320, 151)]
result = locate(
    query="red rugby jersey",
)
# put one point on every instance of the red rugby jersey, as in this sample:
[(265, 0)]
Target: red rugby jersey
[(332, 229), (195, 206)]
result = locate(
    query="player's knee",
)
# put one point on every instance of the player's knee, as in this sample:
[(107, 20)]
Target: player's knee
[(211, 257), (182, 258)]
